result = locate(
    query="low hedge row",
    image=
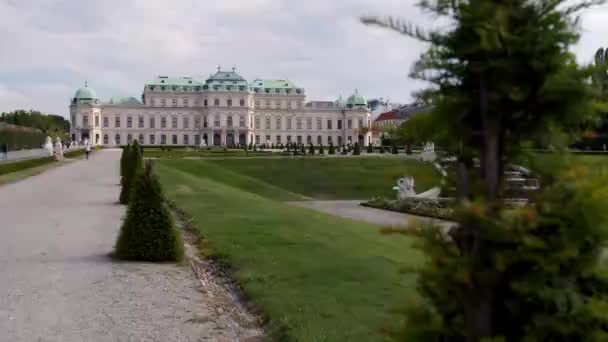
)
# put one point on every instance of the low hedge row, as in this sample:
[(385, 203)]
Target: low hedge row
[(21, 139), (24, 164)]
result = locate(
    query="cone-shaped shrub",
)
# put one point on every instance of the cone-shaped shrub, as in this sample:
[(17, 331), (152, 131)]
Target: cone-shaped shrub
[(394, 149), (321, 149), (381, 149), (148, 233), (331, 149), (133, 163), (123, 160), (302, 149), (356, 150), (311, 149), (370, 149)]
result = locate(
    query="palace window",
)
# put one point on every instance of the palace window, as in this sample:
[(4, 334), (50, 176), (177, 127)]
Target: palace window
[(205, 102), (288, 123), (319, 140), (197, 139), (229, 121), (163, 122), (96, 121), (152, 123), (117, 139), (267, 140), (257, 104), (257, 122), (308, 139), (278, 139), (186, 122), (257, 139), (174, 122), (267, 103), (117, 122), (329, 141), (105, 139), (298, 123), (197, 102), (267, 122), (85, 120), (163, 139), (140, 121), (349, 124), (174, 102), (350, 139), (360, 123), (229, 102), (163, 102), (216, 121), (106, 122), (319, 124), (129, 138), (329, 124), (186, 103), (289, 139), (152, 139), (339, 140), (216, 102), (186, 139), (197, 121), (140, 139), (174, 139), (299, 139), (242, 121), (339, 124), (242, 102), (308, 123), (279, 123), (152, 102), (129, 122), (205, 124)]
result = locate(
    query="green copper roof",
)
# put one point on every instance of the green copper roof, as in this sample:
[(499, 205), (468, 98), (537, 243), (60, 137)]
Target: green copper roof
[(226, 81), (356, 100), (85, 93), (281, 84), (123, 101), (174, 81)]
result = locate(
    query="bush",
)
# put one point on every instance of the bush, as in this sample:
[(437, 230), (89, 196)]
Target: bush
[(302, 149), (370, 149), (124, 158), (133, 164), (148, 232), (24, 164), (321, 152), (17, 137), (357, 150), (250, 145), (311, 149), (381, 149), (331, 149), (394, 149)]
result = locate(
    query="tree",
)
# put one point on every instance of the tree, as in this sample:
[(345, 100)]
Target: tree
[(148, 232), (124, 157), (331, 148), (502, 75), (394, 149), (311, 149), (600, 74), (370, 148), (251, 146), (302, 149), (133, 164), (288, 147), (356, 150)]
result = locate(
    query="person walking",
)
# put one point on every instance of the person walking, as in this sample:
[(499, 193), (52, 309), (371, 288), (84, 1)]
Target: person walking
[(87, 150)]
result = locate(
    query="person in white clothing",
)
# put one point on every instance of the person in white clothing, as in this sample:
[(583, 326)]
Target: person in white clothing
[(87, 150)]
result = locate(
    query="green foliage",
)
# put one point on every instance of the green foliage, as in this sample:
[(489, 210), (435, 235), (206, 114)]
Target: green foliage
[(17, 138), (600, 73), (124, 157), (311, 149), (370, 148), (302, 149), (331, 149), (49, 124), (10, 167), (148, 232), (251, 146), (133, 163), (381, 149), (321, 152), (356, 149), (503, 76), (394, 149)]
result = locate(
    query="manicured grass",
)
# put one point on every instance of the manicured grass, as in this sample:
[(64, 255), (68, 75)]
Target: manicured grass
[(335, 178), (320, 277), (9, 167), (200, 153)]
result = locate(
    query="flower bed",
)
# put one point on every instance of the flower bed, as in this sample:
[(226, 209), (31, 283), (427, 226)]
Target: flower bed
[(436, 208)]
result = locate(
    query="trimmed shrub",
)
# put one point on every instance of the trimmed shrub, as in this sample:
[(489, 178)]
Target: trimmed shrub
[(394, 149), (321, 149), (357, 150), (381, 149), (331, 149), (123, 160), (250, 145), (302, 149), (370, 149), (133, 164), (148, 233), (311, 149)]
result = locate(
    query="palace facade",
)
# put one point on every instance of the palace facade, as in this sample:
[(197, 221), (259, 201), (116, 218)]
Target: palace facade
[(223, 110)]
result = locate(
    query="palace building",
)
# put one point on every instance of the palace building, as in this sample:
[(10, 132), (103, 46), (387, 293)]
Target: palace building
[(223, 110)]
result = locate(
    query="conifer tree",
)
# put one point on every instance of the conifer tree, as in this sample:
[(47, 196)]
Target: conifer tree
[(132, 165), (148, 232), (124, 157), (370, 149), (311, 149), (331, 148), (302, 149), (394, 149), (356, 150), (321, 152)]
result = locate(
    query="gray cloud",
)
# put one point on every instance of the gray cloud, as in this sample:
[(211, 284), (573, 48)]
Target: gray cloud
[(49, 47)]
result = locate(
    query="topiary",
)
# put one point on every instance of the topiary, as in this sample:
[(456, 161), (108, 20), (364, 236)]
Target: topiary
[(381, 149), (133, 163), (123, 160), (357, 150), (321, 149), (302, 149), (394, 149), (331, 149), (370, 149), (311, 149), (148, 232)]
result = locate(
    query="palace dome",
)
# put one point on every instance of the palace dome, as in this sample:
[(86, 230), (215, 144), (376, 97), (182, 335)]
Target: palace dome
[(356, 100), (85, 93)]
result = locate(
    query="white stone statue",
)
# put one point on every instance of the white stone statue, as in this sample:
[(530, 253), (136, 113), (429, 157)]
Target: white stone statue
[(58, 149), (48, 145), (203, 143), (405, 189), (428, 152)]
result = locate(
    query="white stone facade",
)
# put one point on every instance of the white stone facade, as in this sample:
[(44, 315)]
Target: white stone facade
[(224, 110)]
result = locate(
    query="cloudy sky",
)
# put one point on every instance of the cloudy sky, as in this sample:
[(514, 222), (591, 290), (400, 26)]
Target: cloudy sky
[(48, 48)]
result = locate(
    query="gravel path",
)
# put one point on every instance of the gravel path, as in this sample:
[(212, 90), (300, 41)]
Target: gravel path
[(353, 210), (57, 282)]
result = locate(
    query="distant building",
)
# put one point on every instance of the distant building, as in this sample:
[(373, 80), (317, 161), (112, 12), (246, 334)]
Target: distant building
[(223, 110), (394, 118)]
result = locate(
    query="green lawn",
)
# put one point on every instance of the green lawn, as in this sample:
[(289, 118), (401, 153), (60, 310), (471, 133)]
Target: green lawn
[(179, 153), (323, 178), (321, 277)]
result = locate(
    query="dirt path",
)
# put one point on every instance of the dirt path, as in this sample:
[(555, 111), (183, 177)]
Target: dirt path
[(57, 282), (352, 210)]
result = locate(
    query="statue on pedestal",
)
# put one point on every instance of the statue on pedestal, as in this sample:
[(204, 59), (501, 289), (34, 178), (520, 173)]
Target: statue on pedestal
[(58, 149), (48, 145)]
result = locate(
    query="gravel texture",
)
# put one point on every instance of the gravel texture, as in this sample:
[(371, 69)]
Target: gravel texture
[(57, 282)]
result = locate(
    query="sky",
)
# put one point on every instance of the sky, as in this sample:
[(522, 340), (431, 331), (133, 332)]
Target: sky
[(48, 48)]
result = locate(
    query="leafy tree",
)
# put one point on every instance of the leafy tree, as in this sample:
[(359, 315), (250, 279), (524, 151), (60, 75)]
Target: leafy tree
[(331, 148), (148, 232), (356, 149), (600, 74), (133, 164), (502, 75), (311, 149)]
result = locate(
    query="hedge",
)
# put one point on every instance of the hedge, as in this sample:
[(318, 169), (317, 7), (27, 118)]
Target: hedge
[(18, 139), (23, 164)]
